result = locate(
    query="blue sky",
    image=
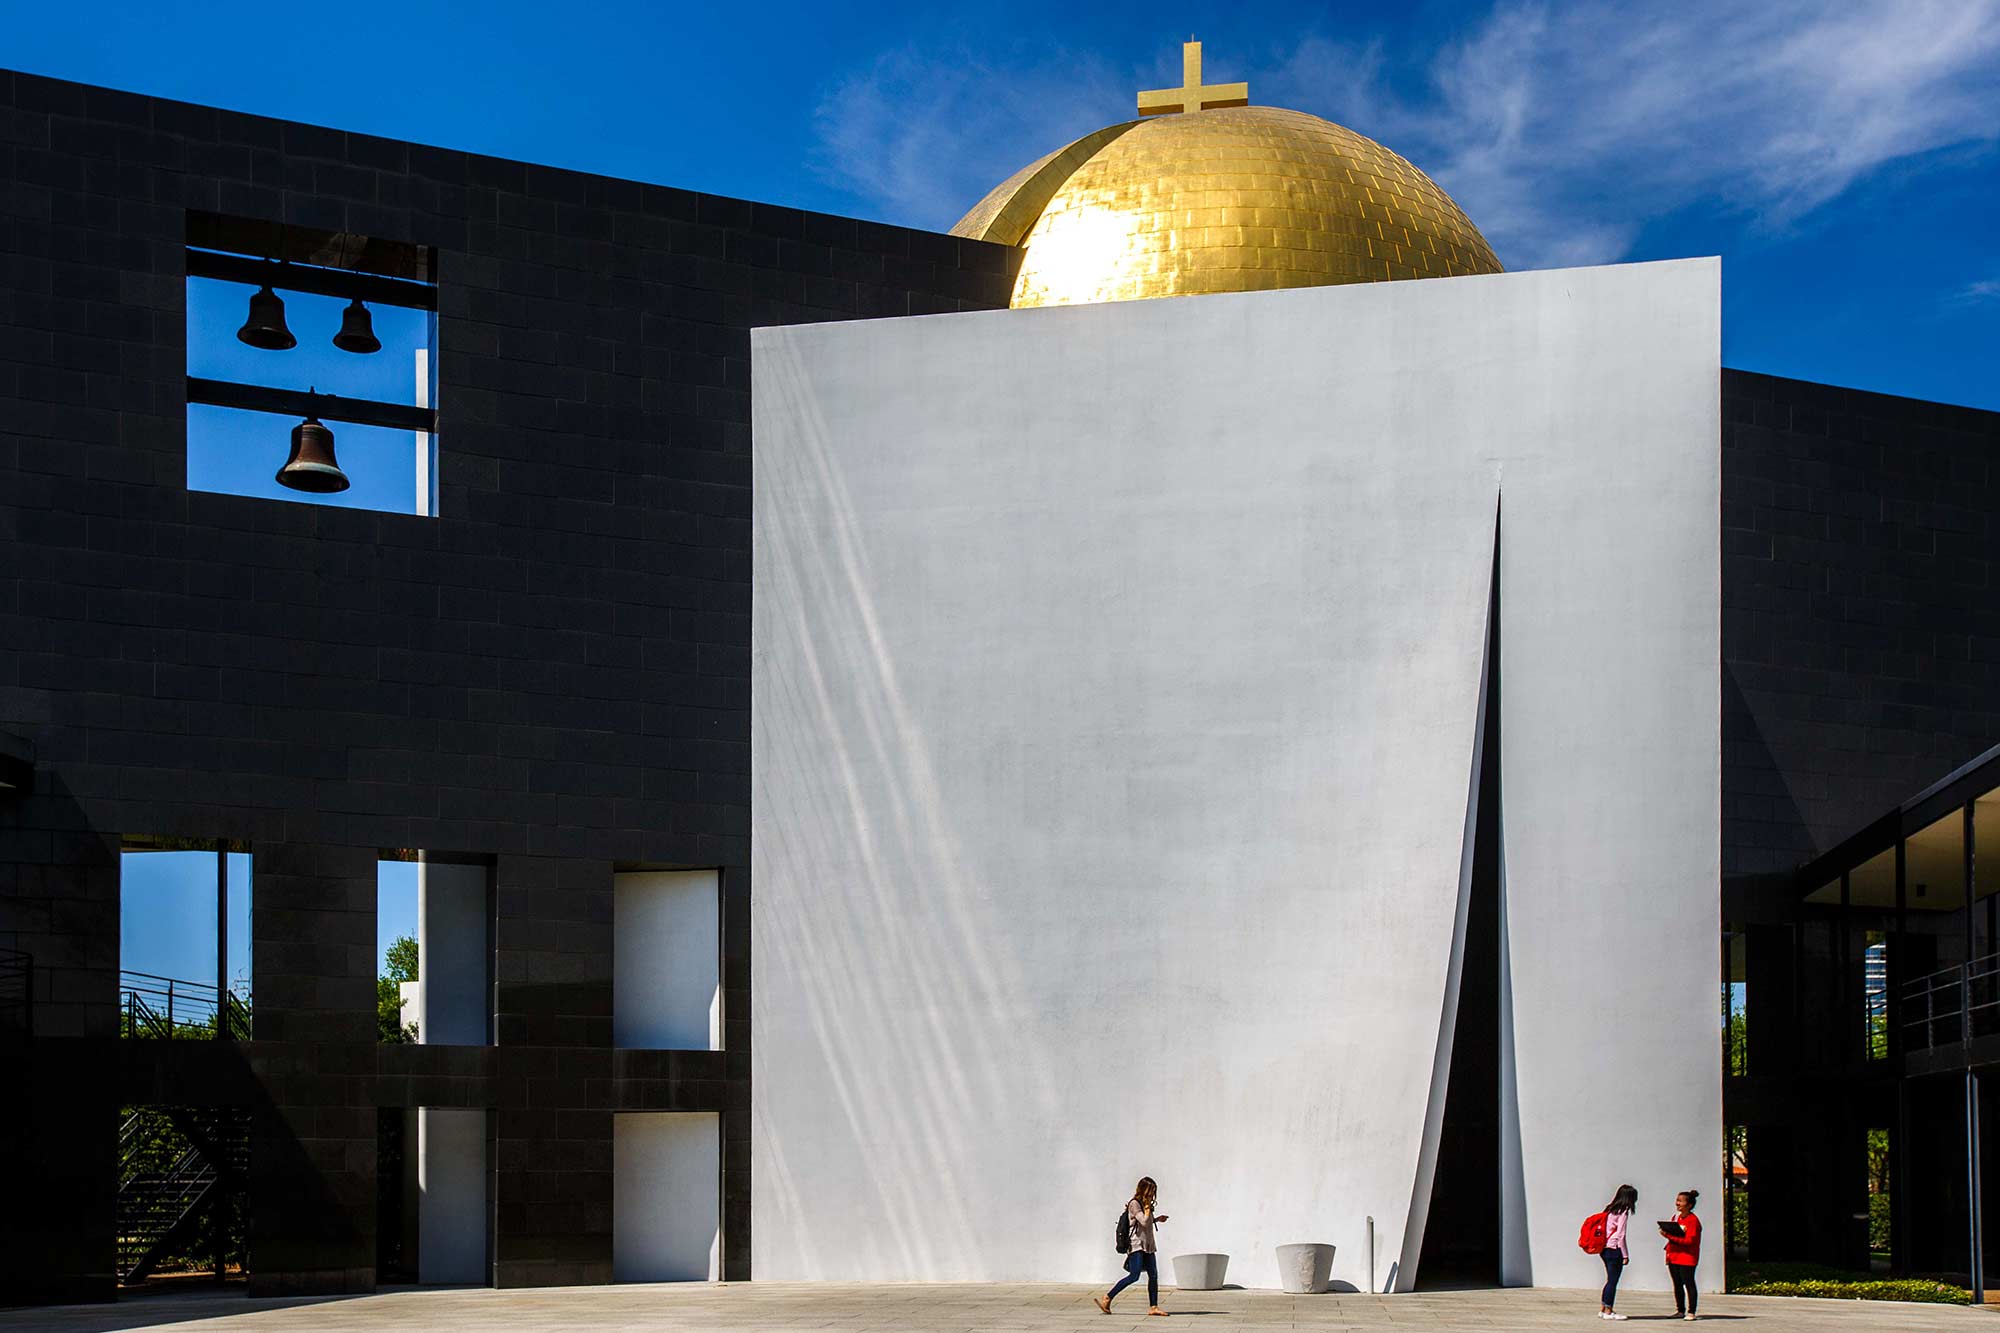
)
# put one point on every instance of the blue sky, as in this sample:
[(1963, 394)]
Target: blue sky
[(166, 923), (240, 452), (1839, 154)]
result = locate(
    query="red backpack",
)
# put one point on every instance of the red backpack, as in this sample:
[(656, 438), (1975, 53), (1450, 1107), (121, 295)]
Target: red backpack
[(1591, 1239)]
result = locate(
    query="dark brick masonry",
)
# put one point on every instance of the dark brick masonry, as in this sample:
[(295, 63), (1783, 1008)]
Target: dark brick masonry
[(553, 675), (1860, 608), (1861, 663)]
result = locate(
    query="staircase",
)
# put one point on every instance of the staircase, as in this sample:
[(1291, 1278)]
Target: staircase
[(176, 1181)]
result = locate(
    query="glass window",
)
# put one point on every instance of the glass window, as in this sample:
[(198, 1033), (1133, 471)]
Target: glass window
[(1934, 866), (1735, 1016), (1875, 995), (1873, 882), (1986, 875)]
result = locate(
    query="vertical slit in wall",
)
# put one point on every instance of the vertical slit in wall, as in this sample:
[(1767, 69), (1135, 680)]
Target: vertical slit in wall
[(1462, 1235)]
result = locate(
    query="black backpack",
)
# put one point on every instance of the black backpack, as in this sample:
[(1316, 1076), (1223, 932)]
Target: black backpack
[(1124, 1231)]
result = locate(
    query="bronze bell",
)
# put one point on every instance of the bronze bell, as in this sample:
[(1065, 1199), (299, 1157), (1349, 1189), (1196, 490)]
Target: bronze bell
[(357, 330), (266, 326), (311, 466)]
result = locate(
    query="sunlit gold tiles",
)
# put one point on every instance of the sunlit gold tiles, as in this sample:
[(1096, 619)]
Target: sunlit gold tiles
[(1229, 200)]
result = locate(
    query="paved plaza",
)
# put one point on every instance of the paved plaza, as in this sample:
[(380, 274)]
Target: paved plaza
[(854, 1307)]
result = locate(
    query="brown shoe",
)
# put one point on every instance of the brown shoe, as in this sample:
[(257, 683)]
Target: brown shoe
[(1103, 1306), (1158, 1311)]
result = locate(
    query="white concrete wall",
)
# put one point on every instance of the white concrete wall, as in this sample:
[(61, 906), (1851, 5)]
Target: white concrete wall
[(454, 983), (451, 1204), (666, 1196), (1115, 681), (1611, 761), (412, 1183), (666, 981)]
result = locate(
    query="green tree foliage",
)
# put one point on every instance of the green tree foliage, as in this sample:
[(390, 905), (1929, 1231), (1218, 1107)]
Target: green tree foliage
[(400, 959), (399, 964), (1878, 1191)]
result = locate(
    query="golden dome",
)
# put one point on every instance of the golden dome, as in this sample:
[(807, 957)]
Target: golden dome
[(1230, 199)]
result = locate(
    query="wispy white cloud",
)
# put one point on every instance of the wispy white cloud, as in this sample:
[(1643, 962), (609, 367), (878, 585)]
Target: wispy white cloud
[(925, 135), (1977, 293), (1562, 128)]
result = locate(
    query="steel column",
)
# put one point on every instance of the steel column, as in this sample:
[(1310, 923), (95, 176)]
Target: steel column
[(1973, 1210), (221, 942)]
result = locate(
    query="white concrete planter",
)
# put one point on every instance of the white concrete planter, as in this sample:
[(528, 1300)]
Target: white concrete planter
[(1305, 1268), (1199, 1272)]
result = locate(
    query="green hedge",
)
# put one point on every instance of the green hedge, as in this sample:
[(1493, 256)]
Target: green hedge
[(1873, 1289)]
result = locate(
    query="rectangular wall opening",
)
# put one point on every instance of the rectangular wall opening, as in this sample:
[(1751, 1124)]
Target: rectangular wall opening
[(1875, 995), (666, 980), (1735, 1004), (1881, 1224), (183, 938), (182, 1195), (434, 941), (291, 324), (397, 962), (432, 1220), (666, 1196)]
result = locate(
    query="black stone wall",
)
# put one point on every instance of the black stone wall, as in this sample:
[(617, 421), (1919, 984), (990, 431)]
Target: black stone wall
[(553, 675), (1861, 663), (1860, 608)]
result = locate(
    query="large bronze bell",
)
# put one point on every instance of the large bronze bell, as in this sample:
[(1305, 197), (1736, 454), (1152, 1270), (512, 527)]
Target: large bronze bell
[(311, 466), (357, 330), (266, 326)]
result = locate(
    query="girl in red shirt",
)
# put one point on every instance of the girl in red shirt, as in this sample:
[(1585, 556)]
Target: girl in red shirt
[(1683, 1251)]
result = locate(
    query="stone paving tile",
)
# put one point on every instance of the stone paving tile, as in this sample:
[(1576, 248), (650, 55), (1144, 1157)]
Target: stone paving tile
[(993, 1308)]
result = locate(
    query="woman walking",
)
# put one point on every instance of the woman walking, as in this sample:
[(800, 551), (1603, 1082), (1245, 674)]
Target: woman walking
[(1683, 1235), (1617, 1250), (1144, 1257)]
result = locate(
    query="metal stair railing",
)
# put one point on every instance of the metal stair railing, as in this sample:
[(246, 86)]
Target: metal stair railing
[(153, 1211), (165, 1008), (161, 1211), (1952, 1005)]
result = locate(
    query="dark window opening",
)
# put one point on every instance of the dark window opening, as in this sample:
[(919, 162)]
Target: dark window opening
[(182, 1195)]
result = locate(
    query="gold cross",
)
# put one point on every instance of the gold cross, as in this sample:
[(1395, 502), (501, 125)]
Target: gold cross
[(1192, 96)]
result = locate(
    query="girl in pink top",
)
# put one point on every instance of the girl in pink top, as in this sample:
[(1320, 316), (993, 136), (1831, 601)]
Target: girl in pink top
[(1617, 1248)]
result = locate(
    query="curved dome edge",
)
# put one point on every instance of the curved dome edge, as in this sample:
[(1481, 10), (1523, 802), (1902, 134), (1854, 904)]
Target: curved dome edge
[(1010, 209), (1241, 199)]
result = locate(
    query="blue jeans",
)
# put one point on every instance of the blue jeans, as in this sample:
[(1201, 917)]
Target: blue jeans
[(1614, 1268), (1136, 1263)]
